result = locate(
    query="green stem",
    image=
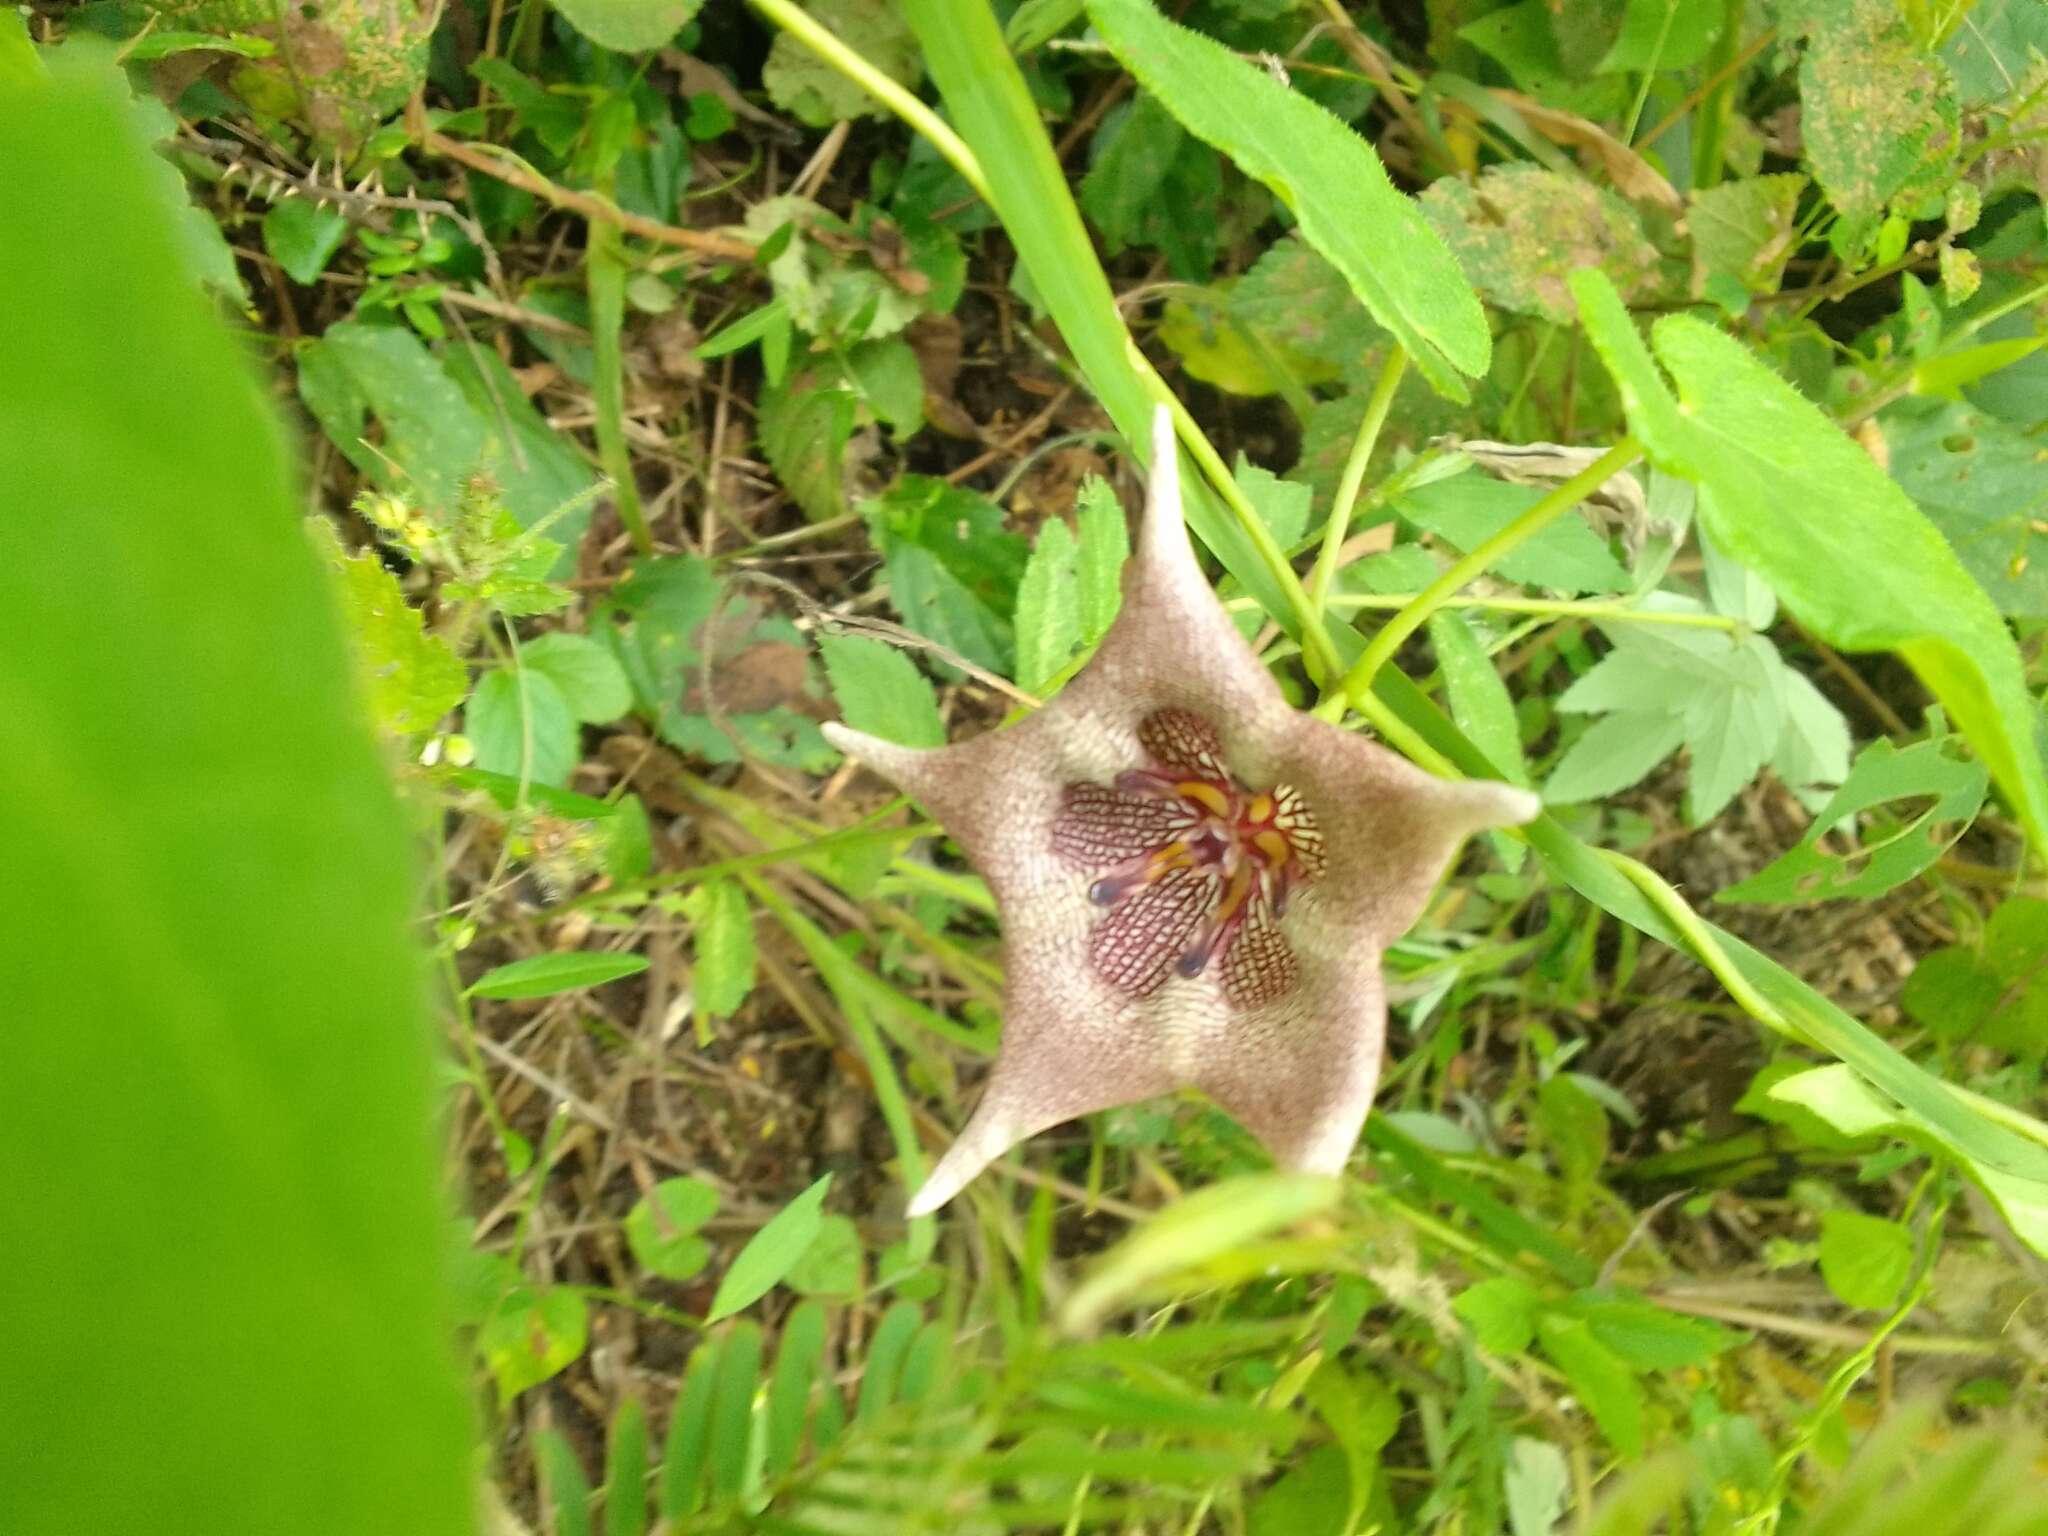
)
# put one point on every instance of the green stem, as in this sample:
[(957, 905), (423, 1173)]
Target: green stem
[(799, 25), (605, 272), (1354, 476), (1611, 612), (1395, 632), (1713, 112)]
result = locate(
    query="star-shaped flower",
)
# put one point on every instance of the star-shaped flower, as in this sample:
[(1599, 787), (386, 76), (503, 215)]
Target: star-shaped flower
[(1196, 881)]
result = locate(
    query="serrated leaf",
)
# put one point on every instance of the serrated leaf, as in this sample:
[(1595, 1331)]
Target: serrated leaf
[(547, 975), (1994, 992), (1646, 1336), (1864, 1259), (1048, 608), (1860, 566), (1520, 229), (410, 677), (629, 26), (879, 690), (1603, 1385), (804, 427), (771, 1252), (1105, 544), (662, 1226), (521, 726), (589, 677), (1282, 505), (953, 567), (1329, 178), (1897, 848), (1878, 114), (722, 936)]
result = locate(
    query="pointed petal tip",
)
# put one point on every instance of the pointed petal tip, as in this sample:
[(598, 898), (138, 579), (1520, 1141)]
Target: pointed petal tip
[(1501, 805)]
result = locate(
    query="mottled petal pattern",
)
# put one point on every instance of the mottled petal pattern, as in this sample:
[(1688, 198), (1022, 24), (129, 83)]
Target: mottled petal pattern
[(1196, 881)]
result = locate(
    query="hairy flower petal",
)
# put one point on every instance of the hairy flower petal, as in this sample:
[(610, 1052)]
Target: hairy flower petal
[(1196, 881)]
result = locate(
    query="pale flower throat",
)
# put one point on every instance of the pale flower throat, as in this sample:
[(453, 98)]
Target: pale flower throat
[(1194, 868)]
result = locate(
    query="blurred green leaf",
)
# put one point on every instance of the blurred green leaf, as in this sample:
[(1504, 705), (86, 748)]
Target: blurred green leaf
[(814, 91), (562, 1480), (302, 236), (1536, 1481), (831, 1265), (588, 676), (1501, 1313), (732, 1409), (1744, 229), (662, 1227), (722, 937), (953, 567), (1193, 1230), (771, 1252), (221, 1125), (1470, 508), (1994, 992), (534, 1335), (1864, 1259), (1659, 35), (1985, 486), (409, 677), (629, 26), (547, 975), (799, 1368), (521, 726), (1603, 1385), (625, 1471)]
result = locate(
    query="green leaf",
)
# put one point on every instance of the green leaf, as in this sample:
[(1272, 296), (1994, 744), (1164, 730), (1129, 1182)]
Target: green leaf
[(1864, 1259), (1613, 753), (1105, 544), (1603, 1385), (732, 1409), (1860, 566), (1645, 1336), (520, 725), (1535, 1480), (722, 933), (1745, 230), (799, 1363), (1574, 1128), (953, 567), (771, 1252), (1501, 1313), (1195, 1229), (533, 1336), (1469, 508), (1852, 1108), (1993, 48), (302, 236), (567, 1489), (547, 975), (1328, 177), (689, 1434), (625, 1474), (1520, 229), (1896, 847), (589, 677), (1479, 699), (1312, 1498), (880, 691), (1994, 992), (628, 26), (804, 428), (221, 1121), (410, 678), (814, 91), (1150, 184), (1985, 486), (432, 439), (1048, 607), (1878, 114), (831, 1265), (1658, 35), (661, 1229)]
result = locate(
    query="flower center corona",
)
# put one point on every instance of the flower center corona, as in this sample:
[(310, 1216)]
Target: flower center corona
[(1194, 868)]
